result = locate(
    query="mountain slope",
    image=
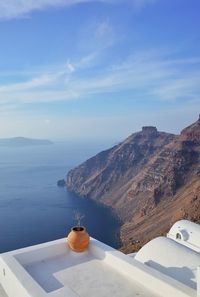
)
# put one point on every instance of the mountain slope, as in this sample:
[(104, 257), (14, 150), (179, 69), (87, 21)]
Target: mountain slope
[(150, 179), (114, 168)]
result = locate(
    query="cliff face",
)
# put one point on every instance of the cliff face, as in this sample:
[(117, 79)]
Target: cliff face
[(151, 179), (113, 168)]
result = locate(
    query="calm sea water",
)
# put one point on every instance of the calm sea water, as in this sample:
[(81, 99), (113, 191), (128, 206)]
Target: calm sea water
[(33, 209)]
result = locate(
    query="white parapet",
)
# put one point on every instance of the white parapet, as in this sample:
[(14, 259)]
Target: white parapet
[(198, 281), (53, 270)]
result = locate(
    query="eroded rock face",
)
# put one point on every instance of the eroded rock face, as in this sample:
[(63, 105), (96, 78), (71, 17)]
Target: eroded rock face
[(147, 173), (113, 168), (192, 133)]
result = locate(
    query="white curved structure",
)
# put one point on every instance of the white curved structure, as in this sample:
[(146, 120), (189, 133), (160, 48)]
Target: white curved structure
[(164, 267), (172, 259), (186, 233), (51, 269)]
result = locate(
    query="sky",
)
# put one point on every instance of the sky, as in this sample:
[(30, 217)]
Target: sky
[(77, 69)]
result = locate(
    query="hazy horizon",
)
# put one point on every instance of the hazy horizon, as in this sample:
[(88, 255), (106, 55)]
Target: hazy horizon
[(98, 138)]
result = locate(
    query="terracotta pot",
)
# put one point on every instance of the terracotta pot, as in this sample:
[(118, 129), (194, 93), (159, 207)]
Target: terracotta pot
[(78, 239)]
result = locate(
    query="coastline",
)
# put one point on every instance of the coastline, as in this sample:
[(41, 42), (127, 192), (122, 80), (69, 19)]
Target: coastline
[(115, 216)]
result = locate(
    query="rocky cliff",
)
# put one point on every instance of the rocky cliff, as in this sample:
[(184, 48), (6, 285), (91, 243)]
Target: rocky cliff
[(150, 179)]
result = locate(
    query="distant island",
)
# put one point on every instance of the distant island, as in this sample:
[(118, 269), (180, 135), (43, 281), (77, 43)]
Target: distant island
[(23, 141)]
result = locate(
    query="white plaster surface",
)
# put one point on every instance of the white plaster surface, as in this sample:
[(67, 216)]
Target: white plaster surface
[(85, 275), (172, 259), (189, 232), (53, 270), (2, 292), (132, 255)]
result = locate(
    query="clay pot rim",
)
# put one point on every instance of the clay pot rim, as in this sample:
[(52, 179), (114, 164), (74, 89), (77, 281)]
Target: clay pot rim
[(78, 229)]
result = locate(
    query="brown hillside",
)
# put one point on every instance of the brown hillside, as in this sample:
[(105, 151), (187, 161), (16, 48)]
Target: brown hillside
[(151, 179)]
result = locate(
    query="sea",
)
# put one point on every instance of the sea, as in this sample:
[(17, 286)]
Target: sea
[(33, 209)]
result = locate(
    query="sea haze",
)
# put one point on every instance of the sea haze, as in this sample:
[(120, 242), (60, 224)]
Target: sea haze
[(33, 209)]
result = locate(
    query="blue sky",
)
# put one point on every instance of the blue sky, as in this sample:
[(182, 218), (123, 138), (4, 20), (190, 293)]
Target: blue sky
[(76, 69)]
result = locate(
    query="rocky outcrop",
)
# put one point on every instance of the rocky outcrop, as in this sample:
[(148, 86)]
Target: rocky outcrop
[(61, 183), (150, 179), (149, 130)]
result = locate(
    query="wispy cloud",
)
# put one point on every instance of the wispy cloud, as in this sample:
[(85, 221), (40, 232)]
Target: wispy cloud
[(148, 75), (10, 9), (100, 35), (19, 8), (139, 4)]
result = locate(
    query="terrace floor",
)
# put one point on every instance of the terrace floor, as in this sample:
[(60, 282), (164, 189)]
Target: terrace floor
[(2, 292)]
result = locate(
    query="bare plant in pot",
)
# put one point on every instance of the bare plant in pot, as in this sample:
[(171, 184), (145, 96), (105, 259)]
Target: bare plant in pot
[(78, 239)]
